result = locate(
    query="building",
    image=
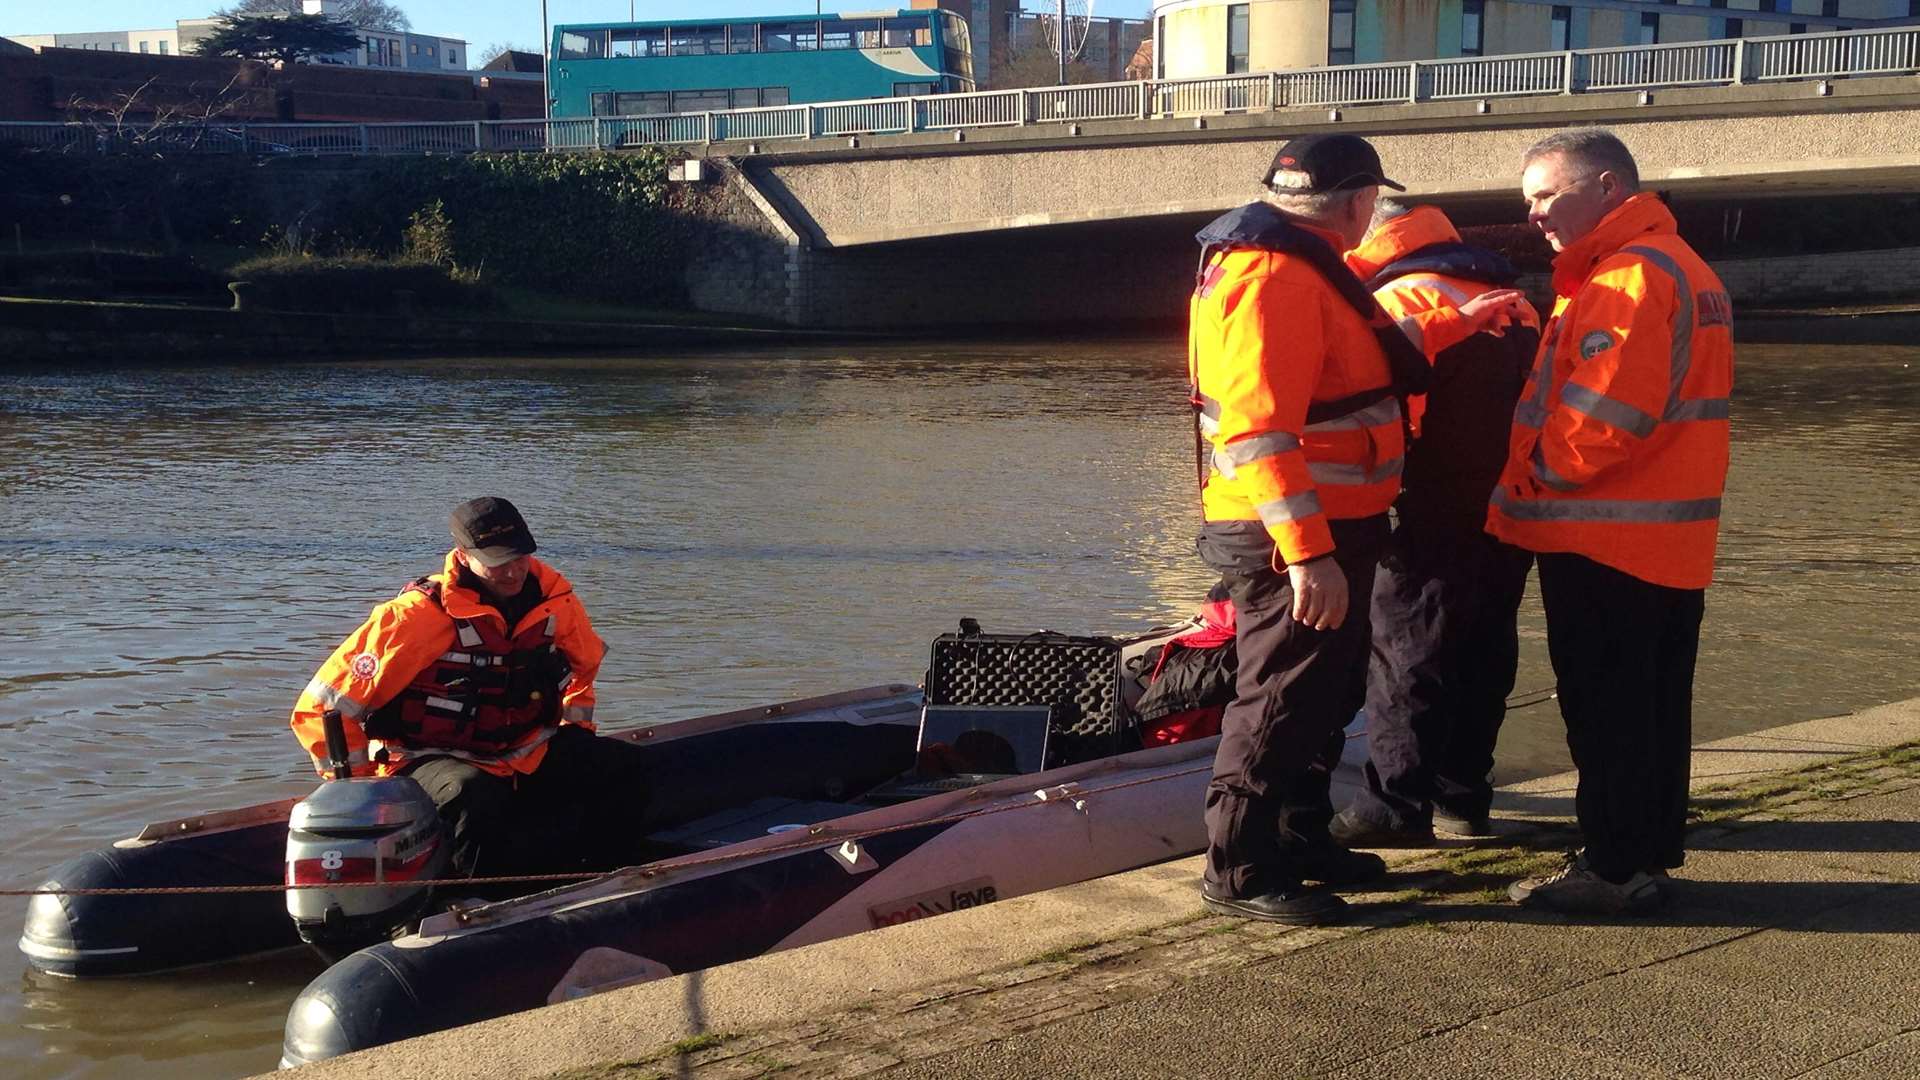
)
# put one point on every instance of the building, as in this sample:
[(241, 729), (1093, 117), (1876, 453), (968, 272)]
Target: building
[(388, 49), (1195, 38), (1003, 29)]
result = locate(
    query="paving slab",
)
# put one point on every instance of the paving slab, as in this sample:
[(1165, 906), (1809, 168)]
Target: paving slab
[(1895, 1057), (1692, 1028), (1479, 1053)]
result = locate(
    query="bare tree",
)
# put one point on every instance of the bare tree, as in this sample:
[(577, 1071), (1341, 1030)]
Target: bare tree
[(366, 14), (500, 48)]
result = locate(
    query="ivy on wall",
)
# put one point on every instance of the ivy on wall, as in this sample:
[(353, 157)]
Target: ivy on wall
[(601, 225)]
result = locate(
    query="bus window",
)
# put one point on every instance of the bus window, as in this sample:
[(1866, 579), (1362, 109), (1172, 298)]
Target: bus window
[(905, 33), (698, 41), (642, 42), (603, 104), (912, 89), (745, 99), (583, 44), (774, 95), (740, 38), (956, 47), (647, 104), (790, 37), (698, 100), (850, 34)]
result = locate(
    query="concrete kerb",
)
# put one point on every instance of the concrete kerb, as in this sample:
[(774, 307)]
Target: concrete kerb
[(1027, 938)]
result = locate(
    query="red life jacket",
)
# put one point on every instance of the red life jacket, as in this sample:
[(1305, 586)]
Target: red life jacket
[(484, 695)]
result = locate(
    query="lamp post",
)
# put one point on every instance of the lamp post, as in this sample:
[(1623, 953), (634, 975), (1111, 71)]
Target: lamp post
[(546, 66)]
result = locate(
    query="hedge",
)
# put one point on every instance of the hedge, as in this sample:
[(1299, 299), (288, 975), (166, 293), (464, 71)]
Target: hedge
[(357, 283)]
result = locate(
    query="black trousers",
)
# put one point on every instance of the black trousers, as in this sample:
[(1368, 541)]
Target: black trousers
[(1282, 735), (1445, 650), (1623, 651), (582, 809)]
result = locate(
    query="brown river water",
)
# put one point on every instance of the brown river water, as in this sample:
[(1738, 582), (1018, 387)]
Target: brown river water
[(183, 545)]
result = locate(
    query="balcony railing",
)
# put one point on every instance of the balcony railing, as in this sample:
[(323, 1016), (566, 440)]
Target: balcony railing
[(1637, 67)]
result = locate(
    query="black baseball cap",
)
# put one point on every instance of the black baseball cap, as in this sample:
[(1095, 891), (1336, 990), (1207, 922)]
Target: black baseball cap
[(1330, 163), (490, 531)]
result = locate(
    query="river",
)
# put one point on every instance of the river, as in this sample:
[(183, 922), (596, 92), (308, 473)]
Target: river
[(183, 545)]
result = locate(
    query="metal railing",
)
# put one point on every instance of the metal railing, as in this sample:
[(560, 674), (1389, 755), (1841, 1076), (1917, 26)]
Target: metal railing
[(1636, 67)]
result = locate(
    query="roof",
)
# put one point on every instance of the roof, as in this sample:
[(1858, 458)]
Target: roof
[(514, 60)]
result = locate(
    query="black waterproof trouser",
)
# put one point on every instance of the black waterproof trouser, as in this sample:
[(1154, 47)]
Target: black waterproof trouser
[(1623, 651), (581, 809), (1282, 735), (1445, 649)]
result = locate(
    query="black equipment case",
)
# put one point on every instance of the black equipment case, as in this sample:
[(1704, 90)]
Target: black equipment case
[(1079, 677)]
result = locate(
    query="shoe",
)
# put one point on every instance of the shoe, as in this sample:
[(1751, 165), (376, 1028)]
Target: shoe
[(1353, 830), (1332, 864), (1461, 827), (1297, 906), (1577, 890)]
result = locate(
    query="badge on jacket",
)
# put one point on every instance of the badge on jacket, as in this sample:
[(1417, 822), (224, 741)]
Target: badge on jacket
[(1595, 343), (365, 666)]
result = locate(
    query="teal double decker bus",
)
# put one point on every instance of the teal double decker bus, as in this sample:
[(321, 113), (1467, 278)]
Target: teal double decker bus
[(687, 66)]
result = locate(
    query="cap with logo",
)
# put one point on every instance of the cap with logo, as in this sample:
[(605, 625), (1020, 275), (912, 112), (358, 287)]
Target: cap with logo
[(1312, 164), (490, 531)]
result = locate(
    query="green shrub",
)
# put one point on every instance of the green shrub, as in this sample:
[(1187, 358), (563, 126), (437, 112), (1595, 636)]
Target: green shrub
[(359, 283), (429, 235)]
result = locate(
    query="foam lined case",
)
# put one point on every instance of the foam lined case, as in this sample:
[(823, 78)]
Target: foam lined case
[(1079, 677)]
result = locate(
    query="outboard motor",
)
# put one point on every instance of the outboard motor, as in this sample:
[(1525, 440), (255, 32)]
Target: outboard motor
[(355, 830)]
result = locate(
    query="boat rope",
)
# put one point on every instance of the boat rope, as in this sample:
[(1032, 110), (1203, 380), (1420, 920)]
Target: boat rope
[(1533, 697), (810, 840)]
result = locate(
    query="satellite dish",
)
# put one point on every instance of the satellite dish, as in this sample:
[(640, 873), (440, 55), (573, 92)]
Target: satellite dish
[(1064, 32)]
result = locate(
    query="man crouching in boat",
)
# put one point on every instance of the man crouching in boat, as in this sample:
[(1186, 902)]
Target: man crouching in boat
[(478, 683)]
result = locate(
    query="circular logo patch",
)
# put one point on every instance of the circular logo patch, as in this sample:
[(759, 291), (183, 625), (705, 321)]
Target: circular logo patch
[(1594, 344), (365, 666)]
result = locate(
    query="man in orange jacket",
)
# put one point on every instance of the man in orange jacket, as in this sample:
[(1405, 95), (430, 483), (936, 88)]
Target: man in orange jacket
[(1446, 597), (478, 683), (1296, 377), (1615, 469)]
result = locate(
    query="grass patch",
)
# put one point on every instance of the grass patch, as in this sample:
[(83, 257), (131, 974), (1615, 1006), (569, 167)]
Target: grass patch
[(693, 1044), (1062, 954), (359, 284)]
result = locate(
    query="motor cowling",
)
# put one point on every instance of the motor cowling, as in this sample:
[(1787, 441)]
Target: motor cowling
[(360, 846)]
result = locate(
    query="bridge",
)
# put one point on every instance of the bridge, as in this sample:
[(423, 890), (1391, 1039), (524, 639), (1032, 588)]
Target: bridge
[(1027, 205)]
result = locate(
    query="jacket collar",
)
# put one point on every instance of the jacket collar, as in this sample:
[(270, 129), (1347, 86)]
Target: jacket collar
[(1642, 215), (1260, 225), (462, 602), (1420, 227)]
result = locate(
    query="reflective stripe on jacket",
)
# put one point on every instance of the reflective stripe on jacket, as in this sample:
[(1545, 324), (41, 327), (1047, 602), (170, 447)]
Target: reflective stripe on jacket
[(400, 657), (1271, 335), (1620, 441)]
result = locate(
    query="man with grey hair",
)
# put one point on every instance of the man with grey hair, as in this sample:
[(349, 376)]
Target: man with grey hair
[(1615, 468), (1296, 378)]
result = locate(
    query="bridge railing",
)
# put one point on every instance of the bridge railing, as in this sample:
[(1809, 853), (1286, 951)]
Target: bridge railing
[(1880, 51)]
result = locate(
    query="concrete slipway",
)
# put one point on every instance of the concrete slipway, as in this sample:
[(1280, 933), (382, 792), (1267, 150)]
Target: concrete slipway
[(1790, 951)]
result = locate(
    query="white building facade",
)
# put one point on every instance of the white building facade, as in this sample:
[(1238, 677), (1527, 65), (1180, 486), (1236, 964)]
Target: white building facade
[(399, 50)]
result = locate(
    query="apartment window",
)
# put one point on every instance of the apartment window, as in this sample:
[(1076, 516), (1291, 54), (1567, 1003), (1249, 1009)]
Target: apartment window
[(1237, 60), (163, 48), (1472, 28), (119, 46), (413, 48), (742, 39), (453, 58), (1160, 47), (698, 41), (1340, 31), (143, 46), (1650, 29), (430, 51), (1560, 29), (790, 37)]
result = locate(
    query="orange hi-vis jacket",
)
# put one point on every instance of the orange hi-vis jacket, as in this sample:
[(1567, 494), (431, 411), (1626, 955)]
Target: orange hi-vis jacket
[(1424, 300), (395, 652), (1271, 336), (1620, 442)]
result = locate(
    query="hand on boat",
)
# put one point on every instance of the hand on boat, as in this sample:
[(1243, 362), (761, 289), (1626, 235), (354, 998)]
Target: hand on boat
[(1319, 593)]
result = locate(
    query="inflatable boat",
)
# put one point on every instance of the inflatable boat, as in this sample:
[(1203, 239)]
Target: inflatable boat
[(794, 823)]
